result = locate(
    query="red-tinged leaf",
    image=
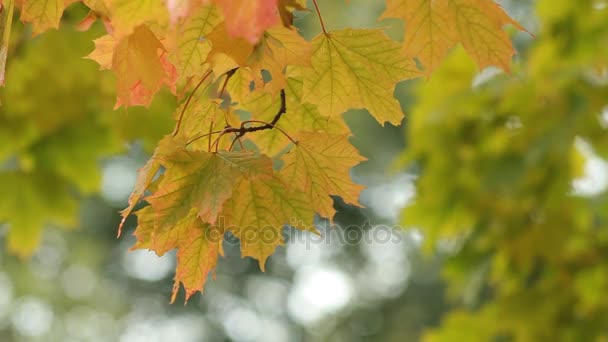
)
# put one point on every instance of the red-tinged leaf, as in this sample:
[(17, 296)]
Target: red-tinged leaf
[(140, 67), (249, 19)]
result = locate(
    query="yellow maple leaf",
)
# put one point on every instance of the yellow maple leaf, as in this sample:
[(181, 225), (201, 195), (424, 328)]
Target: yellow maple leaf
[(279, 47), (127, 15), (199, 246), (188, 41), (259, 212), (433, 27), (319, 165), (238, 49), (298, 117), (428, 37), (357, 69), (43, 14), (479, 25), (103, 52), (202, 118)]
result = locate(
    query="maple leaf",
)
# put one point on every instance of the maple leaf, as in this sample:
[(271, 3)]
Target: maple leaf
[(127, 15), (103, 52), (43, 14), (141, 95), (139, 66), (198, 250), (434, 27), (280, 47), (479, 24), (236, 48), (201, 118), (258, 213), (319, 165), (248, 19), (202, 181), (145, 175), (355, 69), (189, 44), (298, 117), (145, 228)]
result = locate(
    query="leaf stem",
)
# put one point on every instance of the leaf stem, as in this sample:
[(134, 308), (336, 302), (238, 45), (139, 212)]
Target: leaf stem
[(320, 17), (181, 115)]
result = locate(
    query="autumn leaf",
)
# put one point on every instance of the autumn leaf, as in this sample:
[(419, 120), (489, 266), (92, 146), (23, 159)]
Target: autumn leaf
[(319, 165), (127, 15), (199, 246), (236, 48), (248, 19), (479, 25), (146, 174), (135, 62), (259, 212), (43, 14), (200, 119), (202, 181), (103, 52), (434, 27), (279, 48), (356, 69), (189, 43), (299, 117)]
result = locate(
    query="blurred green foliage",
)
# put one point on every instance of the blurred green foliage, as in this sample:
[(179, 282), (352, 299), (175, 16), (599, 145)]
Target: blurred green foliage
[(497, 159), (55, 128)]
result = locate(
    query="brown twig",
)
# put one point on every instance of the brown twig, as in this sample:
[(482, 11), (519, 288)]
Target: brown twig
[(242, 130)]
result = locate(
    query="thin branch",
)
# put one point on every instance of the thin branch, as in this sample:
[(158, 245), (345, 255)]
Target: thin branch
[(181, 115), (320, 17), (273, 126), (242, 130)]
